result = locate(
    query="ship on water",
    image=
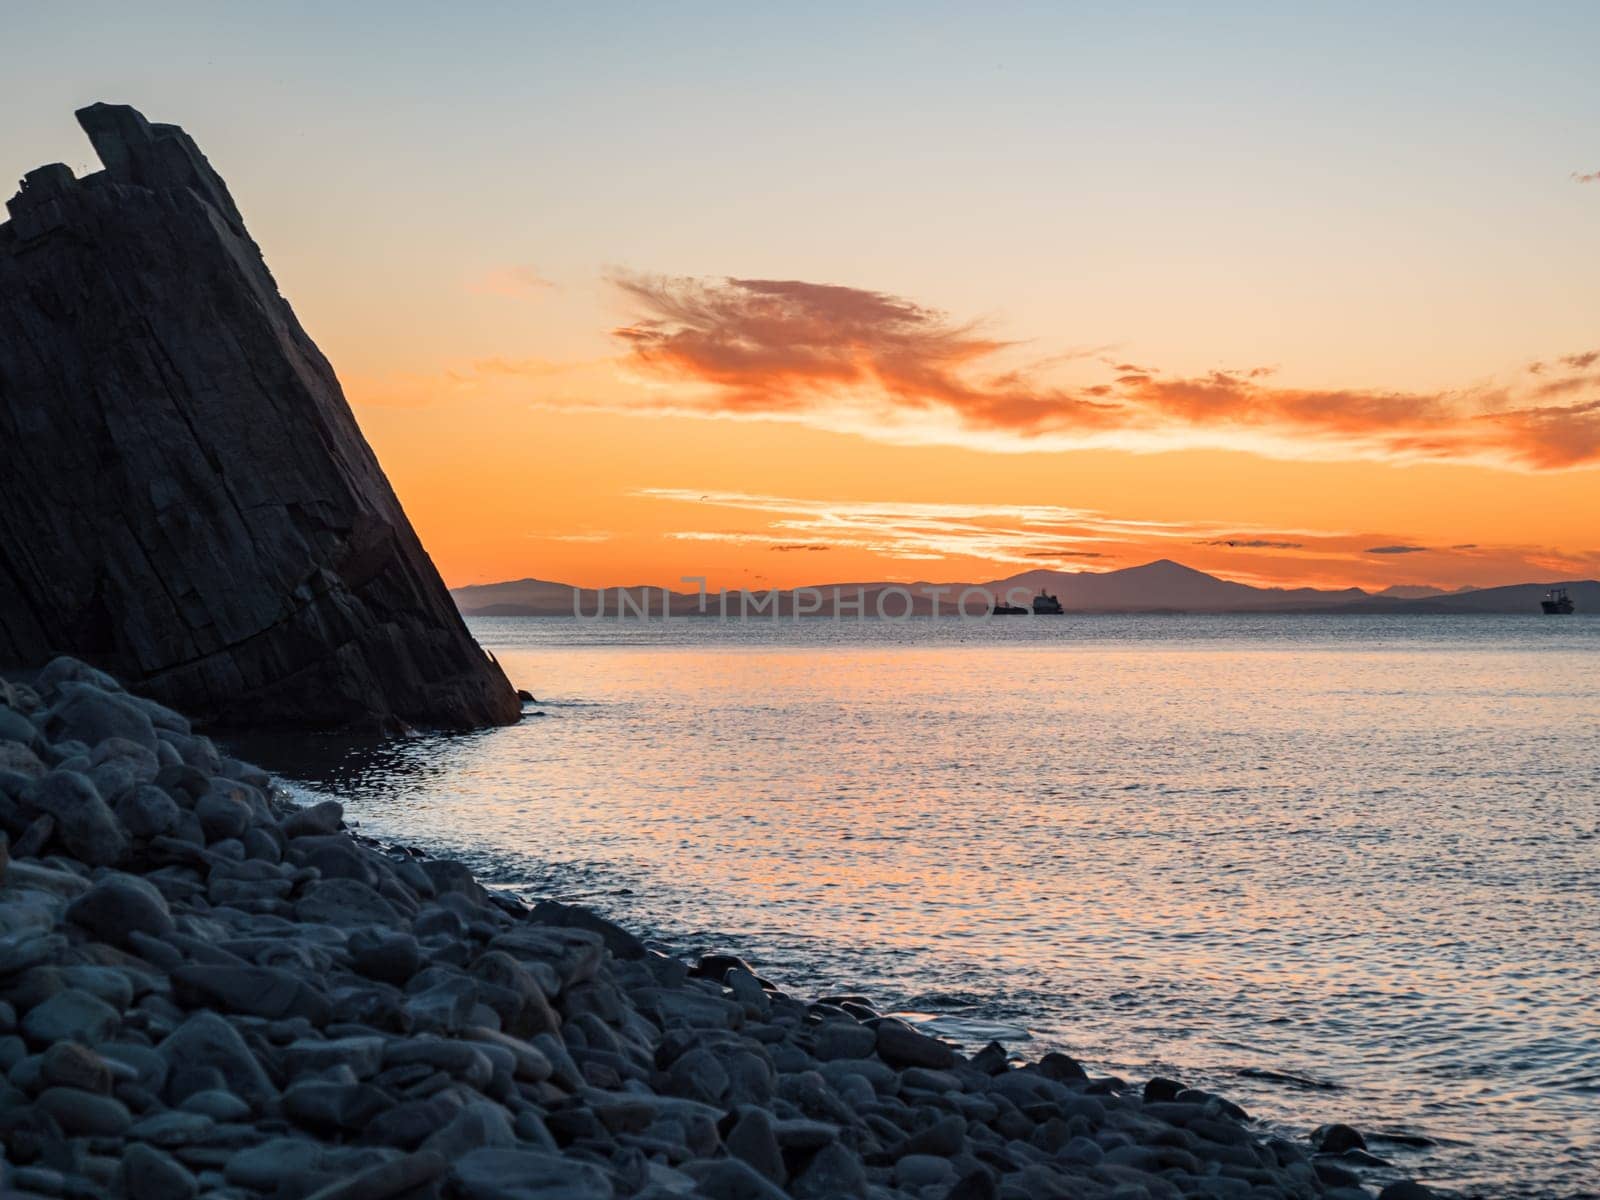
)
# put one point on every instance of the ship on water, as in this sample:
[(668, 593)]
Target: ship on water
[(1044, 605), (1556, 601)]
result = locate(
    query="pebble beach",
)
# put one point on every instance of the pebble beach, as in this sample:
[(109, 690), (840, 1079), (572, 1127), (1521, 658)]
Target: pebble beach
[(206, 990)]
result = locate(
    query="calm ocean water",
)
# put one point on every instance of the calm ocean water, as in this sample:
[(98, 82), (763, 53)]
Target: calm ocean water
[(1340, 868)]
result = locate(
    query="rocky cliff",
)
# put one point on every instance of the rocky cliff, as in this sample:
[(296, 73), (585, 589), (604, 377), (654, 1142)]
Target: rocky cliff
[(185, 497)]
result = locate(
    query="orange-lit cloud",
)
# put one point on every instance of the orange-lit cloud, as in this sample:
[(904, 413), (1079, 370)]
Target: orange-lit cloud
[(865, 362), (1586, 177)]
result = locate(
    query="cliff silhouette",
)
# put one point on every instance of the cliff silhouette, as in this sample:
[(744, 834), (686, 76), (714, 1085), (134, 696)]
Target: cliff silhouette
[(185, 496)]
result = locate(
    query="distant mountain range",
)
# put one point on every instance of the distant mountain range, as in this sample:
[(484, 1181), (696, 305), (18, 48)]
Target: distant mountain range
[(1161, 586)]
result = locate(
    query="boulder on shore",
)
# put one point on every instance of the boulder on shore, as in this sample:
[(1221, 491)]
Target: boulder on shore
[(187, 500)]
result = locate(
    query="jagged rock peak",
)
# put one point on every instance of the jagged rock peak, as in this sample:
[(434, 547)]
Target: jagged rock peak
[(186, 497)]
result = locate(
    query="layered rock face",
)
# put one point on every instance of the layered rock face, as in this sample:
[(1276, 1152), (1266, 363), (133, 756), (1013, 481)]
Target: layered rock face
[(185, 496)]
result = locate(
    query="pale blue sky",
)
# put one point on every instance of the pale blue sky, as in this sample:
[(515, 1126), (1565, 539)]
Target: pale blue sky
[(1306, 185)]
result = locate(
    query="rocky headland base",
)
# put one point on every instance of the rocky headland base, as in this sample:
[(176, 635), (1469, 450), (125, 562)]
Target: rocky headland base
[(206, 990)]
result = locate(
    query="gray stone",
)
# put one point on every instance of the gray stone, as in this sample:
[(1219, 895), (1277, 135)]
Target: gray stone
[(270, 992), (111, 984), (497, 1174), (220, 1106), (263, 1168), (901, 1046), (119, 905), (84, 824), (683, 1008), (698, 1075), (139, 760), (753, 1141), (222, 814), (844, 1039), (447, 876), (14, 727), (197, 753), (70, 1064), (362, 1056), (731, 1179), (140, 1062), (1062, 1068), (447, 1007), (402, 1176), (64, 669), (923, 1170), (316, 820), (174, 1128), (345, 902), (460, 1060), (206, 1039), (328, 1107), (406, 1125), (147, 812), (29, 948), (260, 845), (475, 1127), (1336, 1139), (945, 1138), (618, 940), (335, 857), (71, 1015), (801, 1133), (80, 1112), (521, 1000), (385, 955), (1407, 1189), (525, 1061), (18, 759), (151, 1175), (90, 714), (833, 1171)]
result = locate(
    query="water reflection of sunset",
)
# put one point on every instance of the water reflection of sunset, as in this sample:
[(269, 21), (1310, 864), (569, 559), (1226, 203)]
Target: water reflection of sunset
[(1149, 840)]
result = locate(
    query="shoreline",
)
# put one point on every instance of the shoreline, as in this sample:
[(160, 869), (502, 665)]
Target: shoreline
[(207, 990)]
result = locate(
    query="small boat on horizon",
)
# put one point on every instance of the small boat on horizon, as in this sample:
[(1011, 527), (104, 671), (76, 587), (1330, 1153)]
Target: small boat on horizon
[(1556, 601), (1044, 605)]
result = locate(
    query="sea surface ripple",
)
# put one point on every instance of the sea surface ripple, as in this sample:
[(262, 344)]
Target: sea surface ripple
[(1340, 868)]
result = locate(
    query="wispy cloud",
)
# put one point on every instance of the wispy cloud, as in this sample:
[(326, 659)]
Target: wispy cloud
[(1076, 539), (1586, 177), (594, 536), (993, 532), (1254, 544), (514, 282), (871, 363)]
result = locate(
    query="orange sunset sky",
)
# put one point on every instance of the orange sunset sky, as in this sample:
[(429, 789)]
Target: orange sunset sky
[(923, 293)]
